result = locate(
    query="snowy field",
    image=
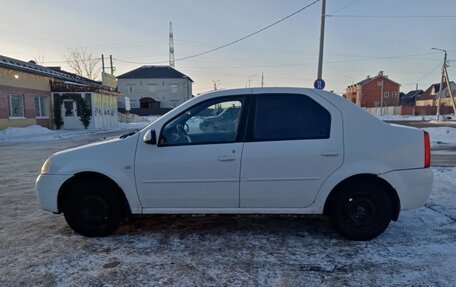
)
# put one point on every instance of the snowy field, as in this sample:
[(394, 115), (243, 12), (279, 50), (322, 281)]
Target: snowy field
[(39, 249)]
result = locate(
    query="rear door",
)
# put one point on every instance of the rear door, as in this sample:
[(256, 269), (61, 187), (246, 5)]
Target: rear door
[(294, 142)]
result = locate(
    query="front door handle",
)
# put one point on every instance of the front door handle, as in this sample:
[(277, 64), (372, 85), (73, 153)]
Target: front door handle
[(226, 158), (330, 153)]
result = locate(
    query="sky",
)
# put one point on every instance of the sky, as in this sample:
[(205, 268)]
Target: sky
[(362, 37)]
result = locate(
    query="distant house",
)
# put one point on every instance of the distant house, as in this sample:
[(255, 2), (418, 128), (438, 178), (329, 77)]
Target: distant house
[(409, 98), (29, 92), (429, 97), (367, 93), (150, 87)]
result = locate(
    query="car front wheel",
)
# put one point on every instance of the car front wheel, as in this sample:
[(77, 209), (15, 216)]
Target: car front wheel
[(361, 211), (92, 208)]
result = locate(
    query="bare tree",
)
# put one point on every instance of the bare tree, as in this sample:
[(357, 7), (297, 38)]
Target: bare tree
[(83, 63), (39, 59)]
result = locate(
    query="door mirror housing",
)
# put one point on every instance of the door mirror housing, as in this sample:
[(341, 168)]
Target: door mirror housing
[(150, 137)]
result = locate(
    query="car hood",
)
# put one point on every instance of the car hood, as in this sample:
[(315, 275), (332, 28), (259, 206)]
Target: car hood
[(93, 157)]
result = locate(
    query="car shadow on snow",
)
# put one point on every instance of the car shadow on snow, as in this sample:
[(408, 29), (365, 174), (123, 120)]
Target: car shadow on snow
[(299, 225)]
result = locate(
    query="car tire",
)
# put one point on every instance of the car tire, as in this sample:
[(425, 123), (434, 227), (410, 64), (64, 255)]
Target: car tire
[(361, 211), (93, 208)]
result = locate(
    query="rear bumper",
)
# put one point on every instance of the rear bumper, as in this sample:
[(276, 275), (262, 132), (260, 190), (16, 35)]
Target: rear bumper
[(413, 186), (47, 188)]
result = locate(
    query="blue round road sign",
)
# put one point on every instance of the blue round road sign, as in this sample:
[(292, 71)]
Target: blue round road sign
[(319, 84)]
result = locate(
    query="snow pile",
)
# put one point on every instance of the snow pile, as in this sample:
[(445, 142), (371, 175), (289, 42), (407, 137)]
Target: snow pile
[(35, 130), (442, 135), (404, 118)]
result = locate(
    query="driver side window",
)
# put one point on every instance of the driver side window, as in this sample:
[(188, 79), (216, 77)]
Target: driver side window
[(209, 122)]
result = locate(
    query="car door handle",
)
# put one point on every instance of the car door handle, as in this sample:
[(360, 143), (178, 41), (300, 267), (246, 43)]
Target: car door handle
[(226, 158), (330, 153)]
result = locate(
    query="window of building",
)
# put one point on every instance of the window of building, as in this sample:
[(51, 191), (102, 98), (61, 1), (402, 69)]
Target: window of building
[(386, 94), (41, 107), (394, 94), (130, 89), (290, 117), (173, 88), (16, 106)]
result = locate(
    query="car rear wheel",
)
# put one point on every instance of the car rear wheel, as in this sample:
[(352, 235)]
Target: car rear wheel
[(93, 208), (361, 211)]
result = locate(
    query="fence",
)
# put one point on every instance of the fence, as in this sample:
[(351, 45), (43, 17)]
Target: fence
[(410, 110)]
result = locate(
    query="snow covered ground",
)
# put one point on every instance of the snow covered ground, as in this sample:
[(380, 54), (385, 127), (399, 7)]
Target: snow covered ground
[(39, 249), (446, 118), (39, 133)]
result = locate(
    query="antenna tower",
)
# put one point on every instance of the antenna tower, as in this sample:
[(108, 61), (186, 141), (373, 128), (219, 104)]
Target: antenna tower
[(171, 45)]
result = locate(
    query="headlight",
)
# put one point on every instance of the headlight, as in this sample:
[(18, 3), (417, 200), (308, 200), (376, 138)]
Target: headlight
[(46, 166)]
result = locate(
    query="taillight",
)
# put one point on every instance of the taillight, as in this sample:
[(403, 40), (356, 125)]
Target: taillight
[(427, 150)]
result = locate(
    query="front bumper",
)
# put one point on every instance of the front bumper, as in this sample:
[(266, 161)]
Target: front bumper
[(47, 188), (413, 186)]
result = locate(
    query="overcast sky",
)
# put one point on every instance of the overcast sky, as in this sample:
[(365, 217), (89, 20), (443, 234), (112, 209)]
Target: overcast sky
[(362, 38)]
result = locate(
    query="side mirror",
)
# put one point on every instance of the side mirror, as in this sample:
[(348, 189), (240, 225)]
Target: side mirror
[(150, 137)]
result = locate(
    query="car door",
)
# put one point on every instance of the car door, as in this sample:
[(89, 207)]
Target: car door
[(294, 142), (195, 164)]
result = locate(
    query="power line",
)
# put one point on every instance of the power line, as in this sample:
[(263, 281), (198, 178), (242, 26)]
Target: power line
[(235, 41), (251, 34), (426, 75), (391, 16), (343, 8)]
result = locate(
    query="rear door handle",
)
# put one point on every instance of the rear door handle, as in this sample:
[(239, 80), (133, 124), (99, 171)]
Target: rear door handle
[(330, 153), (226, 158)]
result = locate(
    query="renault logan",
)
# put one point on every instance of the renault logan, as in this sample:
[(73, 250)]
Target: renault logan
[(287, 151)]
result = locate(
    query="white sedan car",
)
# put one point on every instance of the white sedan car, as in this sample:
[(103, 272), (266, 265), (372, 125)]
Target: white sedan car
[(288, 151)]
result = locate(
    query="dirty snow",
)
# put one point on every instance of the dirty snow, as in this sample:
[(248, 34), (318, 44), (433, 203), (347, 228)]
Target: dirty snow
[(442, 135), (431, 118), (37, 248), (39, 133)]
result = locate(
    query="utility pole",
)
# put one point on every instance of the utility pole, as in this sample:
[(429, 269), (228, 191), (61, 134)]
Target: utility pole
[(439, 95), (447, 81), (322, 39), (262, 79), (449, 90), (381, 97), (102, 63), (112, 67), (171, 46)]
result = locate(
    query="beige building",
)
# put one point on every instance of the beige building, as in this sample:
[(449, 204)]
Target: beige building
[(162, 85), (25, 94)]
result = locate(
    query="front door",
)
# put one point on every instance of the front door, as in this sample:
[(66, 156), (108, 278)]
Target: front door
[(197, 161), (70, 115), (294, 143)]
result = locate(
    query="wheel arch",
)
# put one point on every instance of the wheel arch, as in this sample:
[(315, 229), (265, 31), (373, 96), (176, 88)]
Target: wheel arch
[(90, 175), (372, 179)]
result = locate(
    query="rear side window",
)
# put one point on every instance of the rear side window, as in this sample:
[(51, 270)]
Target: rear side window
[(290, 117)]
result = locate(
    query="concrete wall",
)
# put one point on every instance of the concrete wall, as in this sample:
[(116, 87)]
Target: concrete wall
[(158, 89)]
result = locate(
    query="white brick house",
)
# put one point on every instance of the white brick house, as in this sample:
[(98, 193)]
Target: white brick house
[(163, 84)]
